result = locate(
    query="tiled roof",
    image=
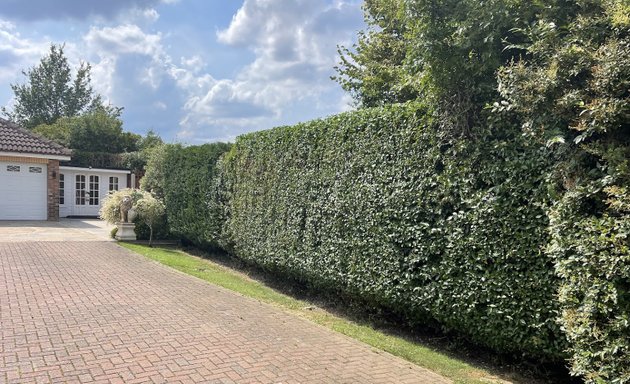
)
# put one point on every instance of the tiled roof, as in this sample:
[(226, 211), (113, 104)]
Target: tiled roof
[(16, 139)]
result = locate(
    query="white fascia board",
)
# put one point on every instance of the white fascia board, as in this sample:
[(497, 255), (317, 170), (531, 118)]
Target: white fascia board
[(83, 169), (35, 155)]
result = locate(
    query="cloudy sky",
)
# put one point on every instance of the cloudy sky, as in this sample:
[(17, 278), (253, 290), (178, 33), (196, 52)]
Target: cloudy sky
[(192, 70)]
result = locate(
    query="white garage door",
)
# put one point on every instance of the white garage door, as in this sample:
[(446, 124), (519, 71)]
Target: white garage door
[(22, 191)]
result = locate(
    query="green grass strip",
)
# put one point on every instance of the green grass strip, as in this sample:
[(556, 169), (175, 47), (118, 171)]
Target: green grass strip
[(457, 370)]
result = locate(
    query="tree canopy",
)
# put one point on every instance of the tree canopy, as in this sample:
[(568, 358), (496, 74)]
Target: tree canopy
[(52, 92), (374, 73), (78, 132), (445, 52)]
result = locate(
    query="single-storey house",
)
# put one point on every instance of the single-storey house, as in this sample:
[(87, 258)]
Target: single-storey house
[(81, 190), (33, 185)]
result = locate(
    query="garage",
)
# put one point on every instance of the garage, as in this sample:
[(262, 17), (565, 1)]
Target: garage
[(23, 191), (29, 174)]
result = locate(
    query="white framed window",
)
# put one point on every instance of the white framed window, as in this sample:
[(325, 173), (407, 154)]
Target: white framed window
[(13, 168), (94, 192), (62, 189), (35, 169), (113, 183), (79, 188)]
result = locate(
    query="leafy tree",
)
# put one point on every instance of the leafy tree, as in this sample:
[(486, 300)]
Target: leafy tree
[(110, 209), (151, 211), (79, 132), (149, 141), (445, 52), (58, 131), (101, 125), (51, 92), (146, 145), (455, 48), (374, 73), (154, 178)]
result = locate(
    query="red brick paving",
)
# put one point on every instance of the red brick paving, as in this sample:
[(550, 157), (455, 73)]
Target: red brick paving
[(93, 312)]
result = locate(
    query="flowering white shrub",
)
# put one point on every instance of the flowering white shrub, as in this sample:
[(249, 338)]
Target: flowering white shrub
[(110, 210), (150, 210)]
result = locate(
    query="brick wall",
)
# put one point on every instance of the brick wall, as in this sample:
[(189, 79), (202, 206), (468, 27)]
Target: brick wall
[(53, 190), (33, 160)]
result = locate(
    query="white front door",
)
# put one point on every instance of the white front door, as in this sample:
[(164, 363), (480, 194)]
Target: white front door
[(23, 189), (87, 195)]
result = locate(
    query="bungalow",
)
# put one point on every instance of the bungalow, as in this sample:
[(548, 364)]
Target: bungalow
[(33, 185), (81, 190)]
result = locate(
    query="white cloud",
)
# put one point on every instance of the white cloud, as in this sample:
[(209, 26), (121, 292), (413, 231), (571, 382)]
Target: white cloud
[(190, 80), (151, 14), (295, 50), (72, 9), (160, 105), (17, 53), (206, 98), (139, 16), (109, 44), (124, 39), (260, 20), (113, 43), (102, 76), (6, 25), (225, 100), (194, 63)]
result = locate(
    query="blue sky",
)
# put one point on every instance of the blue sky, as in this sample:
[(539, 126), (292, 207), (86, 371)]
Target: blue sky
[(193, 71)]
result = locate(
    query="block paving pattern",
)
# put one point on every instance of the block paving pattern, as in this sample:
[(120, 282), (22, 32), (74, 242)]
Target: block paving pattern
[(93, 312)]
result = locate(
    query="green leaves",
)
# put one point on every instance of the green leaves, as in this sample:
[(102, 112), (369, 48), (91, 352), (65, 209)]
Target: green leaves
[(373, 71), (575, 85), (354, 204), (187, 178), (592, 257), (150, 211)]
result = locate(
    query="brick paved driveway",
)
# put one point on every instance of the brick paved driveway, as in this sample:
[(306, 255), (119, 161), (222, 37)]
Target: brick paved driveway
[(62, 230), (83, 312)]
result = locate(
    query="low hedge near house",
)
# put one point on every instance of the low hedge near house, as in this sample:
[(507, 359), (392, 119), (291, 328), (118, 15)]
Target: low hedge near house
[(374, 204)]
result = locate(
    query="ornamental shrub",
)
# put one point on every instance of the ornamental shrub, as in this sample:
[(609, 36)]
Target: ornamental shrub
[(187, 177), (151, 212), (150, 220), (374, 204), (110, 209)]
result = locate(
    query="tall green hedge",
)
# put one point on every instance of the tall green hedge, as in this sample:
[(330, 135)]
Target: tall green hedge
[(188, 177), (373, 204), (573, 93), (592, 255)]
